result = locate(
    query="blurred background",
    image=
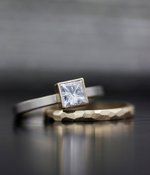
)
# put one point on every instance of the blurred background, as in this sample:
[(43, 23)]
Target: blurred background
[(105, 41)]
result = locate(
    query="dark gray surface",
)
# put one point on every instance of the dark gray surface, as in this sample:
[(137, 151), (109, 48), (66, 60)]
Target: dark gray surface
[(39, 39), (108, 148)]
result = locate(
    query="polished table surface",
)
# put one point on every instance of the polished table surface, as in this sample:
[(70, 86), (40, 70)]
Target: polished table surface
[(37, 147)]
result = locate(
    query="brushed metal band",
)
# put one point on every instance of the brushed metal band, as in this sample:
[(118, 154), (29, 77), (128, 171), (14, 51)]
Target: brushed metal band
[(93, 112), (36, 103)]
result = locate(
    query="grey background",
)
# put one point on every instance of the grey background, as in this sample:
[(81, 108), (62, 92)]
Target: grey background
[(105, 41)]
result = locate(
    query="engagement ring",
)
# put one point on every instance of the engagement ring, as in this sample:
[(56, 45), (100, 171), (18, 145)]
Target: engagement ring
[(70, 94)]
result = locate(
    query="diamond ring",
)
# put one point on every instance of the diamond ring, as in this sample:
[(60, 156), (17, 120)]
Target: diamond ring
[(70, 94)]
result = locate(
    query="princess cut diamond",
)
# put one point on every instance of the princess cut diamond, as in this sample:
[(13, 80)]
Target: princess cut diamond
[(73, 93)]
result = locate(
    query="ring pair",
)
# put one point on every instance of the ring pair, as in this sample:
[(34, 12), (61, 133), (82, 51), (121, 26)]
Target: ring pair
[(72, 101)]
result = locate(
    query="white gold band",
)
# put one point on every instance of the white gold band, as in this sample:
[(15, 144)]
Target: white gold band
[(36, 103)]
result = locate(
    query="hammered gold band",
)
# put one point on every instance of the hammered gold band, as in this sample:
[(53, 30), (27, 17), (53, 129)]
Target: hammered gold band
[(93, 112)]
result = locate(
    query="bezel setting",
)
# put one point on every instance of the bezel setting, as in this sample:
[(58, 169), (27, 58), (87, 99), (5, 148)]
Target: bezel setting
[(72, 93)]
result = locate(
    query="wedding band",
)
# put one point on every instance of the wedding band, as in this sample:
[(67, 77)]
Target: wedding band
[(69, 94), (93, 112)]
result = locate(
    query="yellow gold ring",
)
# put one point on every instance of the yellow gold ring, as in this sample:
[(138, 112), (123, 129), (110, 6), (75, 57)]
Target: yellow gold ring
[(93, 112)]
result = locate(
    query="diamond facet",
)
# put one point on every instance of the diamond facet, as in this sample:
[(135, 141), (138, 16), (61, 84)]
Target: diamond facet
[(72, 93)]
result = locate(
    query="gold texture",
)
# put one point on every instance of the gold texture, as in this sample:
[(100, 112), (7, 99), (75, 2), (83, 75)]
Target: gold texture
[(92, 112)]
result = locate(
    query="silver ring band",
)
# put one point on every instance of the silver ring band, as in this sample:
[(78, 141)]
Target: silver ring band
[(36, 103)]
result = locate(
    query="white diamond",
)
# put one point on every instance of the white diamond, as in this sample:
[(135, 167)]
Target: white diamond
[(73, 93)]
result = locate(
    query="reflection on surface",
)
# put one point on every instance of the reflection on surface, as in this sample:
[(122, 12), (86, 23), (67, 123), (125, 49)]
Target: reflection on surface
[(84, 148)]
